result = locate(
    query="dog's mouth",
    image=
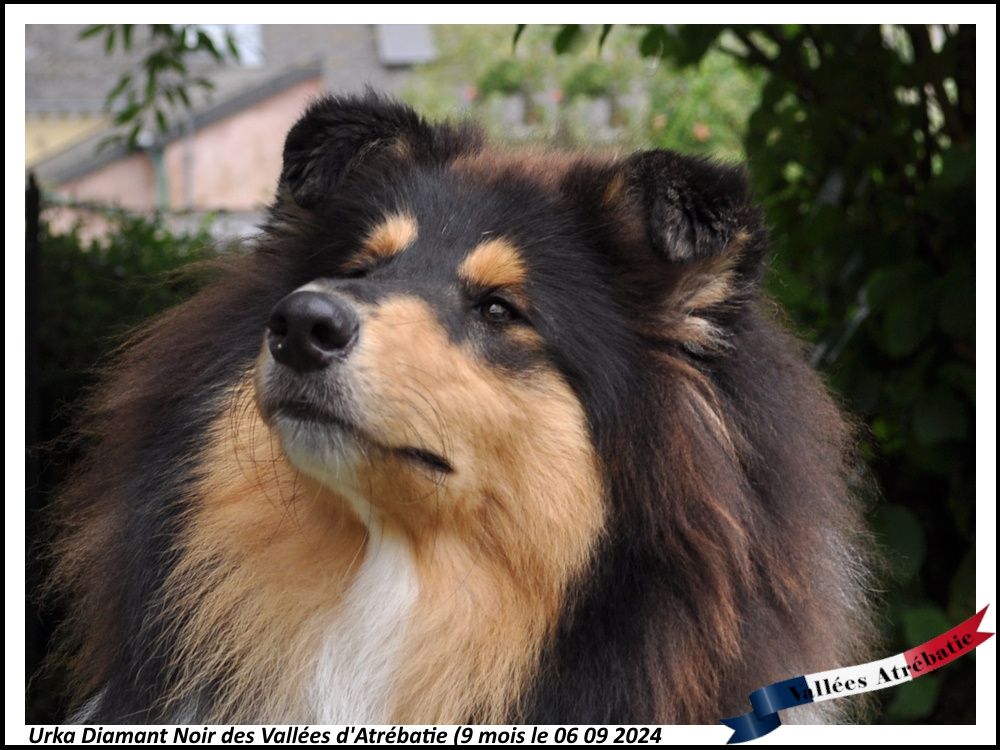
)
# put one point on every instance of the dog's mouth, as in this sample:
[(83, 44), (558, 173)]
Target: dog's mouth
[(302, 412)]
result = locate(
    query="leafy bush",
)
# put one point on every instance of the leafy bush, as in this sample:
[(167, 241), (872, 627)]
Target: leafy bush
[(869, 181), (506, 77), (93, 291), (701, 108), (589, 80), (90, 293)]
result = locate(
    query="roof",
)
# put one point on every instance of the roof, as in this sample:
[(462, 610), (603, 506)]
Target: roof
[(83, 157)]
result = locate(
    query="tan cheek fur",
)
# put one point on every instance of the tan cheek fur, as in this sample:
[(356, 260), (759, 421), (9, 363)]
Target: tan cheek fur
[(498, 541), (267, 553), (264, 558)]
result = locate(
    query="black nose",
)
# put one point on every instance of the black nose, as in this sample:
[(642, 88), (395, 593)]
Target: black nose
[(307, 330)]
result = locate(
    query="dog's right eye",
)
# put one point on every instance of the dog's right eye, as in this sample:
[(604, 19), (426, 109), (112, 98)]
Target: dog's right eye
[(498, 310)]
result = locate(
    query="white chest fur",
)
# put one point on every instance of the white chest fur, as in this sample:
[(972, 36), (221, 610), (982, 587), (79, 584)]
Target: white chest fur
[(362, 639)]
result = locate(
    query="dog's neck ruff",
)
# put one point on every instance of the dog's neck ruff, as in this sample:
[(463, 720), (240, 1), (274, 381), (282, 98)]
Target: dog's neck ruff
[(352, 682)]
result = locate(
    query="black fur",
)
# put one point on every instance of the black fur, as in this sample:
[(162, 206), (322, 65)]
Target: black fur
[(335, 136)]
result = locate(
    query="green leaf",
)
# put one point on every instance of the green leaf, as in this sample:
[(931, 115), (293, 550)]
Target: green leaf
[(150, 90), (234, 51), (109, 40), (175, 63), (517, 34), (920, 624), (127, 36), (205, 43), (690, 46), (903, 534), (127, 114), (122, 84), (133, 136), (90, 31), (605, 30), (939, 416), (568, 36), (916, 699), (653, 42)]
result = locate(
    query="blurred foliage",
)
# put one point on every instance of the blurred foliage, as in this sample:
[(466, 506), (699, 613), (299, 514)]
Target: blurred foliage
[(92, 291), (862, 150), (591, 79), (145, 100), (95, 290), (508, 76), (701, 108)]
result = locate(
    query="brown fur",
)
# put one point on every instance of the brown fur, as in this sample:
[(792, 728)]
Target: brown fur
[(265, 555), (492, 578)]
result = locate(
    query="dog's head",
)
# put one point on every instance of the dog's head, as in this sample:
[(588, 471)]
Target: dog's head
[(470, 324), (528, 439)]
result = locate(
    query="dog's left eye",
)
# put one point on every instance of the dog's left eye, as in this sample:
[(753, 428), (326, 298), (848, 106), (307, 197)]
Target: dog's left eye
[(497, 310)]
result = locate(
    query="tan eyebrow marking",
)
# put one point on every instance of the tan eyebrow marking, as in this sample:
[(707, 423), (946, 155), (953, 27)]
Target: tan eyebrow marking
[(391, 236), (494, 263)]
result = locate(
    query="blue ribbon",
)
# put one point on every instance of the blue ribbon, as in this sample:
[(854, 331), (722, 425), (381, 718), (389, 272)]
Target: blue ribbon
[(766, 702)]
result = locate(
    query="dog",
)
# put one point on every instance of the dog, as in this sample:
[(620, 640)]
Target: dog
[(467, 435)]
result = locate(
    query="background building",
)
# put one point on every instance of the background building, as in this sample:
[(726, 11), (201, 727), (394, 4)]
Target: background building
[(223, 156)]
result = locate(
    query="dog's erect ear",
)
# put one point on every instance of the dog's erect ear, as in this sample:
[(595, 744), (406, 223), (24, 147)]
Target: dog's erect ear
[(338, 133), (693, 209), (685, 235)]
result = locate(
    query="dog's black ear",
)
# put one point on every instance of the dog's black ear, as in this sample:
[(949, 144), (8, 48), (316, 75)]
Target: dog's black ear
[(685, 237), (693, 209), (338, 133)]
